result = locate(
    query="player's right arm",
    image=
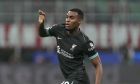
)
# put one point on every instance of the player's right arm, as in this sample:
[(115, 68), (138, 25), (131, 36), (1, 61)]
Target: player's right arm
[(41, 20), (49, 31)]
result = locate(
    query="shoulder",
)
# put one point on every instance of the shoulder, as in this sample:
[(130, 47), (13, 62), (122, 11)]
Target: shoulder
[(86, 40), (58, 27), (85, 37)]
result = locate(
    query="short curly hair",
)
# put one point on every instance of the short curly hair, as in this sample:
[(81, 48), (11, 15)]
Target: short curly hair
[(79, 11)]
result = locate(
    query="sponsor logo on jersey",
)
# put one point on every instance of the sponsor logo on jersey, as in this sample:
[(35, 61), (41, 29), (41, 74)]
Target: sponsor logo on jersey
[(64, 53)]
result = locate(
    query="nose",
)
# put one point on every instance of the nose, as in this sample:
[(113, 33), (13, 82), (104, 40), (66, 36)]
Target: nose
[(67, 19)]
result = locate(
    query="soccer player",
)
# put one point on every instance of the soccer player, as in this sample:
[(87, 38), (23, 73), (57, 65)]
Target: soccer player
[(72, 47)]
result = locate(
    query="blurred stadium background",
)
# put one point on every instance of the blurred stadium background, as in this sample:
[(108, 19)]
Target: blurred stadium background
[(113, 25)]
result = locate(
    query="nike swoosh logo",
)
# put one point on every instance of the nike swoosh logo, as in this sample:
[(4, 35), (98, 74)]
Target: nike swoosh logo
[(59, 38)]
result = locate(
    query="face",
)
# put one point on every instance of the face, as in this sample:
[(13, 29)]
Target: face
[(72, 20)]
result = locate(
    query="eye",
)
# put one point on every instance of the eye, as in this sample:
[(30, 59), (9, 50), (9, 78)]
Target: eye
[(71, 17)]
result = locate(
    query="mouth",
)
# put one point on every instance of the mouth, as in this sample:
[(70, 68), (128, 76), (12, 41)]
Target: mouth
[(67, 25)]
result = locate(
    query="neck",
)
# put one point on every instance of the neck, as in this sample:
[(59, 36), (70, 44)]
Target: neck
[(72, 31)]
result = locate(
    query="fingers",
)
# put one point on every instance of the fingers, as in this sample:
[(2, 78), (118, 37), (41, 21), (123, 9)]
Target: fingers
[(41, 12), (42, 16)]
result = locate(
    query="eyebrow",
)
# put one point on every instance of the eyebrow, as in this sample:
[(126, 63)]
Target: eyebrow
[(71, 16)]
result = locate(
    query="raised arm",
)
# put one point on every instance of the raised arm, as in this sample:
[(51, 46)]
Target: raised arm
[(41, 19)]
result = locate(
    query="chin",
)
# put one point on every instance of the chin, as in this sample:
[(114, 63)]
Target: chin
[(68, 29)]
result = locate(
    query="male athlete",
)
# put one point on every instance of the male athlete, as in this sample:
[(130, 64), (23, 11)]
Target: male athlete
[(72, 47)]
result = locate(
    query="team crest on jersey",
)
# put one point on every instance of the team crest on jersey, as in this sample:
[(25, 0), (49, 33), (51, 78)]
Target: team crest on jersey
[(73, 46)]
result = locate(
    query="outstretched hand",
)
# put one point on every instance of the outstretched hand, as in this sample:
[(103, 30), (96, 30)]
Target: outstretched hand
[(42, 16)]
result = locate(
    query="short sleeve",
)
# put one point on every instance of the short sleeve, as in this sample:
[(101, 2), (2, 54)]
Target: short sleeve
[(89, 50)]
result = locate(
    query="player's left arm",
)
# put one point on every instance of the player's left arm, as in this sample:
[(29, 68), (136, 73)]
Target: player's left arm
[(90, 51), (98, 69)]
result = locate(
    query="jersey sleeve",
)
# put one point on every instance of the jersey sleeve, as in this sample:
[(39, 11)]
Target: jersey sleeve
[(89, 50), (52, 31)]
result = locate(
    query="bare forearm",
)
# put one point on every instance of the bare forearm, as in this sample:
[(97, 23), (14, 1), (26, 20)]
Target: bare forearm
[(99, 73)]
